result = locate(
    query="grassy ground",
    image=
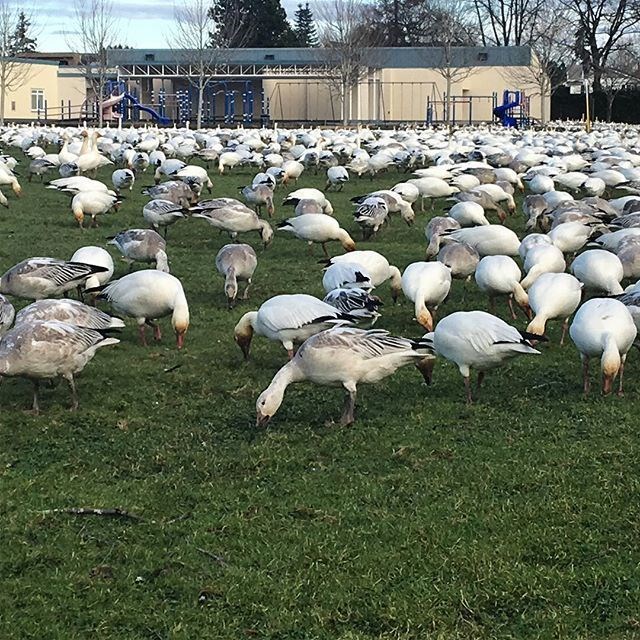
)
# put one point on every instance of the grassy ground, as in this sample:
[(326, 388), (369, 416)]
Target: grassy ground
[(513, 518)]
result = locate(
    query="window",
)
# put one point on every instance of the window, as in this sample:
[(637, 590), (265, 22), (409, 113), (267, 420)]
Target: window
[(483, 57), (37, 99), (13, 105), (149, 57), (269, 56)]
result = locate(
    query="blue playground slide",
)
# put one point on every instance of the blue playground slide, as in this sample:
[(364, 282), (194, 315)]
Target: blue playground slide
[(503, 112), (154, 114)]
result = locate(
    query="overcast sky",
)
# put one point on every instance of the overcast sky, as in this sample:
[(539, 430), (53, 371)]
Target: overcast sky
[(143, 23)]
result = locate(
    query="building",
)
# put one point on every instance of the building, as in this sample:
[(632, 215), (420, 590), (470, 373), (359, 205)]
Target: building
[(43, 89), (301, 85)]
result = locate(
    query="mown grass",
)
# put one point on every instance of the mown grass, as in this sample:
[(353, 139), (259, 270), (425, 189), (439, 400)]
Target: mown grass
[(513, 518)]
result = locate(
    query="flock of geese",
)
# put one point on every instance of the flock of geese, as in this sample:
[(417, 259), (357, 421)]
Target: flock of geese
[(580, 199)]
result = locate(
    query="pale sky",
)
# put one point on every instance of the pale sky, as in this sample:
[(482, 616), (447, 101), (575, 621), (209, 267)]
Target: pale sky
[(143, 23)]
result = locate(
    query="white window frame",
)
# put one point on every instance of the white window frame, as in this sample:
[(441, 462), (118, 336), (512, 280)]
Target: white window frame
[(38, 94)]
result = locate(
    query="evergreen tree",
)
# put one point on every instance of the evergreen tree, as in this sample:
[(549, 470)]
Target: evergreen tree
[(305, 28), (21, 41), (265, 24)]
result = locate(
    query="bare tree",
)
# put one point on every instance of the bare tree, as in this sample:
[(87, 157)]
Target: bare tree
[(504, 23), (454, 32), (551, 49), (601, 27), (96, 30), (13, 73), (623, 69), (347, 40), (199, 36)]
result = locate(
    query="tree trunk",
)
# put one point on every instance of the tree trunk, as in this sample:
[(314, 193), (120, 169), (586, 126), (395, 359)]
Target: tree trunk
[(611, 96), (345, 106), (3, 95), (447, 106), (200, 103)]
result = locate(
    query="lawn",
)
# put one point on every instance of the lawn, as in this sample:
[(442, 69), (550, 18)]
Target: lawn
[(516, 517)]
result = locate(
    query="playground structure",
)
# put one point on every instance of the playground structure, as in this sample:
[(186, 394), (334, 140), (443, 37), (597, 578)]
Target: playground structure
[(463, 110), (514, 110)]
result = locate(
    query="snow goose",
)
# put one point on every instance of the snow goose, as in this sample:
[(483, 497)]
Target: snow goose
[(148, 295), (7, 314), (611, 241), (478, 340), (408, 192), (98, 257), (461, 259), (306, 205), (468, 214), (532, 240), (426, 284), (358, 303), (309, 194), (45, 350), (287, 319), (431, 189), (176, 191), (599, 270), (376, 266), (292, 170), (76, 184), (370, 215), (629, 254), (344, 357), (142, 245), (489, 240), (236, 262), (553, 295), (346, 275), (192, 172), (93, 203), (228, 160), (39, 167), (162, 213), (123, 179), (258, 196), (235, 221), (603, 328), (38, 278), (533, 207), (542, 258), (500, 276), (336, 177), (318, 227), (71, 312), (570, 237), (434, 231)]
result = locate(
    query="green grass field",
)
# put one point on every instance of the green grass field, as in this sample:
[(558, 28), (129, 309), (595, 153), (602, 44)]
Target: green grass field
[(516, 517)]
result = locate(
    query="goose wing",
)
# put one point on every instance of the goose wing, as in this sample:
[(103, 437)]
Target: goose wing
[(294, 312)]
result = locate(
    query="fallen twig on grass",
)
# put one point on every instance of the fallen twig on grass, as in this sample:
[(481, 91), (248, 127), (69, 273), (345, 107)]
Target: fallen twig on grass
[(115, 512), (219, 559)]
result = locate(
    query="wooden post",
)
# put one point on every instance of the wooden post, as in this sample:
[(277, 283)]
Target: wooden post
[(587, 106)]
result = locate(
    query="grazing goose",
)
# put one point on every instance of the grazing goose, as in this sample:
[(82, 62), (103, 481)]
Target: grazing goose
[(123, 179), (142, 245), (69, 311), (309, 194), (490, 240), (532, 240), (370, 215), (175, 191), (236, 262), (394, 201), (93, 203), (7, 314), (148, 295), (570, 237), (193, 173), (37, 278), (234, 221), (542, 258), (344, 357), (431, 188), (435, 229), (358, 303), (45, 350), (287, 319), (162, 213), (98, 257), (603, 328), (478, 340), (336, 177), (318, 227), (468, 214), (599, 270), (346, 275), (553, 295), (376, 267), (426, 284), (500, 276), (461, 259), (258, 196)]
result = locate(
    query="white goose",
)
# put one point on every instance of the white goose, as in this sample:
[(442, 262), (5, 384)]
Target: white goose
[(599, 270), (236, 262), (318, 227), (7, 314), (336, 177), (344, 357), (468, 214), (570, 237), (235, 220), (142, 245), (309, 194), (71, 312), (288, 319), (123, 179), (45, 350), (426, 284), (553, 295), (148, 295), (93, 203), (98, 257), (603, 328), (500, 276), (542, 258), (38, 278), (376, 267), (478, 340), (490, 240)]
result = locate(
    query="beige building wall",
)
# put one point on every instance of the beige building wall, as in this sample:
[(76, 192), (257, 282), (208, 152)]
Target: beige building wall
[(403, 95), (47, 81)]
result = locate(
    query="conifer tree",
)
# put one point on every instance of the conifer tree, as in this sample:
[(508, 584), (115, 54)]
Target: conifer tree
[(305, 28)]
